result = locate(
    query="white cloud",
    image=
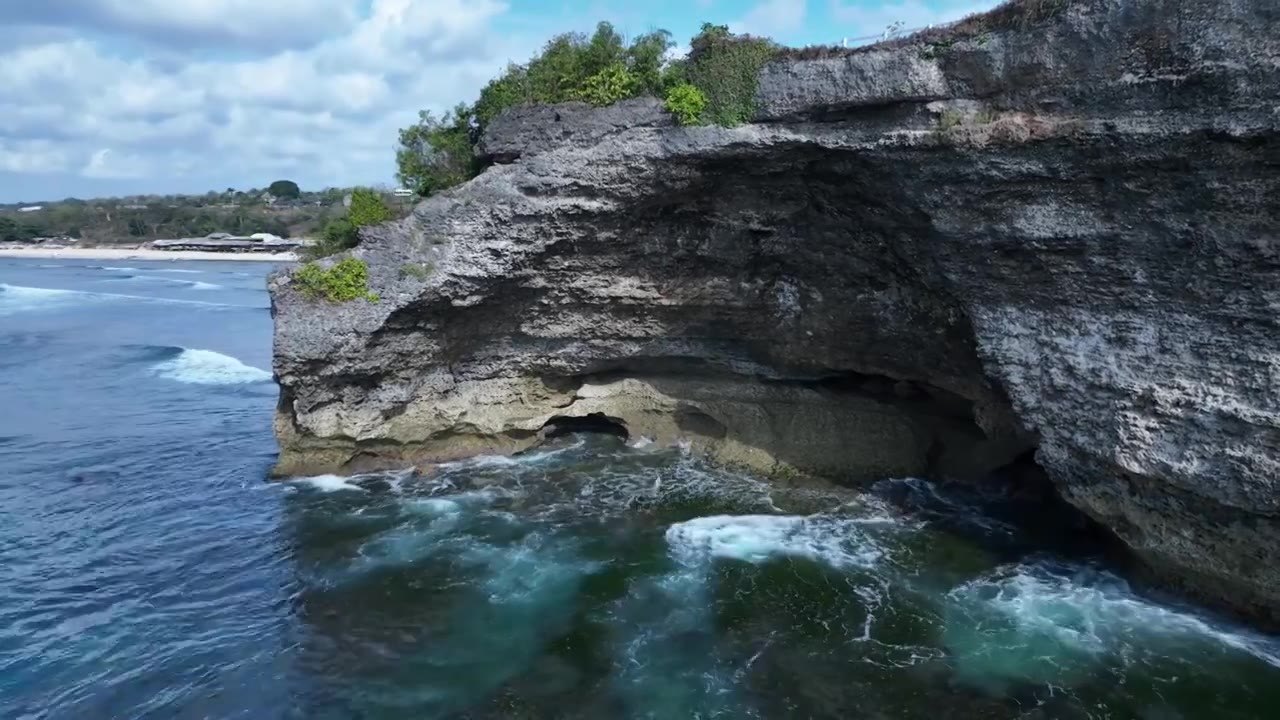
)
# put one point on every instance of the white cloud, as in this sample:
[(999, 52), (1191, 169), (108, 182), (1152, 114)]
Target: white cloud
[(32, 157), (247, 20), (270, 23), (105, 164), (772, 18), (324, 114)]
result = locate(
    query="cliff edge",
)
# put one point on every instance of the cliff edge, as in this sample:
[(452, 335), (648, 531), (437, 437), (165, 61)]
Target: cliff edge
[(934, 258)]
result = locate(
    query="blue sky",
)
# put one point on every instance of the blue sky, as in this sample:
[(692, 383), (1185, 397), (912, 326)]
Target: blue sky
[(115, 97)]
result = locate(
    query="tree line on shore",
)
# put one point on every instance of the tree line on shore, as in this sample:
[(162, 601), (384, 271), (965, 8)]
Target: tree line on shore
[(282, 209)]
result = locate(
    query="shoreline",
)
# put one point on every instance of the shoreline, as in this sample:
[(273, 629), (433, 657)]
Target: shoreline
[(35, 253)]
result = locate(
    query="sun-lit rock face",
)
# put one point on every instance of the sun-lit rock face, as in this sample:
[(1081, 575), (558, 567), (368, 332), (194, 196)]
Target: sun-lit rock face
[(920, 260)]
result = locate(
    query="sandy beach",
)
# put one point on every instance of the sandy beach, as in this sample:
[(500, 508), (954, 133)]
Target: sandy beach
[(139, 254)]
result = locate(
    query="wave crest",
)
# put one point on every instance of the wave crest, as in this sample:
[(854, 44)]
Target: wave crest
[(206, 367), (20, 298), (17, 298), (756, 538), (189, 284)]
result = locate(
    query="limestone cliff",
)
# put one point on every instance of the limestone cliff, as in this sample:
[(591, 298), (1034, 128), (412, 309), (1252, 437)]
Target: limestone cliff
[(924, 259)]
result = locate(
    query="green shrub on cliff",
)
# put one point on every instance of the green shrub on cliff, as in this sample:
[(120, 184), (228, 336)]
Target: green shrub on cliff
[(687, 103), (601, 69), (343, 233), (338, 235), (726, 68), (608, 86), (347, 280), (368, 208)]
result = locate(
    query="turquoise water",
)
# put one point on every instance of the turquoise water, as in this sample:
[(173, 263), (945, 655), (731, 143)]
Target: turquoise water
[(147, 570)]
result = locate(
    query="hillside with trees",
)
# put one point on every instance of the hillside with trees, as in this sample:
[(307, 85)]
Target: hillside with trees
[(138, 219)]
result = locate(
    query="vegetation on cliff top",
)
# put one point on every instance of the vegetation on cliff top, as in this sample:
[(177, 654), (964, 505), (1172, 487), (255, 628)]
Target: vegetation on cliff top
[(346, 280), (342, 233), (716, 83)]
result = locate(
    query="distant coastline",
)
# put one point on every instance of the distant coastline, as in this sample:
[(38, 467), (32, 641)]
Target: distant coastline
[(140, 254)]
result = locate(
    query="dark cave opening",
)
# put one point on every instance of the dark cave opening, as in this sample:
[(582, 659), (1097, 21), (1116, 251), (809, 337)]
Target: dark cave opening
[(597, 423)]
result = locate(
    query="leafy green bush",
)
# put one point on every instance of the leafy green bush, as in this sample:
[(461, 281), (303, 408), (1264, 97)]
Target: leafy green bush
[(343, 233), (726, 68), (608, 86), (687, 103), (347, 280), (367, 208), (338, 235)]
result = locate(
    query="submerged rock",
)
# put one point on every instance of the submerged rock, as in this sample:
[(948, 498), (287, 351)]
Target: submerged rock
[(923, 259)]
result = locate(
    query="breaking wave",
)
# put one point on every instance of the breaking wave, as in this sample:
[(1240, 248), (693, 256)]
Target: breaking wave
[(190, 284), (206, 367), (18, 298), (329, 483), (1053, 623), (756, 538)]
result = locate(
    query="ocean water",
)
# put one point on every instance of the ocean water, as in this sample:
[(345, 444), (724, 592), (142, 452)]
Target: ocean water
[(148, 569)]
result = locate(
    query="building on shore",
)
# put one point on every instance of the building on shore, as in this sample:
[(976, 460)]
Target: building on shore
[(222, 242)]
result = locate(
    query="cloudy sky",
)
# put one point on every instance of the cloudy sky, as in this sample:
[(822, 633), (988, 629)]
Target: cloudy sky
[(114, 97)]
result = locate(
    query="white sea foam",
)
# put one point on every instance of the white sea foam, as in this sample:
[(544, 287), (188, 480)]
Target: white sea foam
[(190, 284), (756, 538), (115, 269), (180, 270), (481, 461), (433, 507), (16, 298), (531, 457), (206, 367), (329, 483), (1047, 623)]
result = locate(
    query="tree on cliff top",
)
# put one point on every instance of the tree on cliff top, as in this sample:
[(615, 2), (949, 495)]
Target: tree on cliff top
[(436, 153)]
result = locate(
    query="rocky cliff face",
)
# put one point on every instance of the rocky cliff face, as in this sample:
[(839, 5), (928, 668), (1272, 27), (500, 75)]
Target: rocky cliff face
[(927, 259)]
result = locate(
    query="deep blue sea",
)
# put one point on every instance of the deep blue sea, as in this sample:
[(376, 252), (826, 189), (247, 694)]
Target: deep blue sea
[(148, 569)]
